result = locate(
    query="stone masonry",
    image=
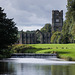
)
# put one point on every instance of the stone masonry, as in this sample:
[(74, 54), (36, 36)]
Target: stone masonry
[(57, 20), (31, 38)]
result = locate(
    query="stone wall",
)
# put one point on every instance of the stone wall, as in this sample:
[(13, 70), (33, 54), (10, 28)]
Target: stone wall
[(31, 38)]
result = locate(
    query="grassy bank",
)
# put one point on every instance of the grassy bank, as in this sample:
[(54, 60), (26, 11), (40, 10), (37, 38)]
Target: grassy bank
[(66, 51)]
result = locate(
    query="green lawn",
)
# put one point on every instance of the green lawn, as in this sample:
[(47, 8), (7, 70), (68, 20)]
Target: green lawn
[(64, 50)]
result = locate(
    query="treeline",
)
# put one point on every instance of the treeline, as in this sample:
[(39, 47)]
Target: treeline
[(68, 31)]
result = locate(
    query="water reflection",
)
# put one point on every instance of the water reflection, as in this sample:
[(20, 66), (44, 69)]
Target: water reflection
[(63, 69), (5, 68), (31, 69), (12, 68)]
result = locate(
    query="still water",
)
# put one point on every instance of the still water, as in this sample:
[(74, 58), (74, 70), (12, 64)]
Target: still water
[(31, 66)]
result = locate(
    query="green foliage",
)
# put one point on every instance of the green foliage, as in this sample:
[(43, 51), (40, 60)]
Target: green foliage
[(55, 38), (8, 31), (5, 53), (69, 58), (21, 48), (71, 10), (69, 24), (46, 28)]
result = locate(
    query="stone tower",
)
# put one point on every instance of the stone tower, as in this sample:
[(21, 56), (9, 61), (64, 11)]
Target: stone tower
[(57, 20)]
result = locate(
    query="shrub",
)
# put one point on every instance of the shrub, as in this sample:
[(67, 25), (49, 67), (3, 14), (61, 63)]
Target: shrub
[(21, 48), (69, 58)]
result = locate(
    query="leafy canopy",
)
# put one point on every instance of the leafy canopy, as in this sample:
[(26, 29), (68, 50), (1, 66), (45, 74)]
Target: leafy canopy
[(8, 30), (68, 30), (46, 28)]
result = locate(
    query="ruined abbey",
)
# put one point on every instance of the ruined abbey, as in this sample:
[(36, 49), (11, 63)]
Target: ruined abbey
[(43, 38)]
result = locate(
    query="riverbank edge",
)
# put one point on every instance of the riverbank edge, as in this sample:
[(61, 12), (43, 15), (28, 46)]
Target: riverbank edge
[(43, 48)]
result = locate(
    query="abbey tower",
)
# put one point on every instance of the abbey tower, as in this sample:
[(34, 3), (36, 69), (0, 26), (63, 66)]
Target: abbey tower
[(57, 20)]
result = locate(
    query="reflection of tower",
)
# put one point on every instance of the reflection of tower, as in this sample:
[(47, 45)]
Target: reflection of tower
[(57, 20)]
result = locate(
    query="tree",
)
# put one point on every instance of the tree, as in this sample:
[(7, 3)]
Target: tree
[(56, 36), (46, 28), (68, 35), (8, 30)]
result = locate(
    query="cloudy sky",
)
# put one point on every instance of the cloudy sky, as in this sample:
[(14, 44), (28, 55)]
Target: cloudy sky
[(32, 14)]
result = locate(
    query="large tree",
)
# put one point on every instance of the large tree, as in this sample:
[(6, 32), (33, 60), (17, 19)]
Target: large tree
[(8, 30), (46, 28), (56, 37), (69, 24)]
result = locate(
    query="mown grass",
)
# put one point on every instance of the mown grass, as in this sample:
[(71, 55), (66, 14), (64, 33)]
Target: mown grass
[(66, 51)]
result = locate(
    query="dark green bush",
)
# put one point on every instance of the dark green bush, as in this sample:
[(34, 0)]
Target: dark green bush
[(21, 48), (69, 58)]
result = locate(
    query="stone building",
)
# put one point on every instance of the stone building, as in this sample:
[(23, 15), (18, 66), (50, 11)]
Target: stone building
[(27, 38), (44, 37), (38, 36), (32, 38), (57, 20)]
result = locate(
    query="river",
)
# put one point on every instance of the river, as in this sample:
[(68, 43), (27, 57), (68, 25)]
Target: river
[(36, 66)]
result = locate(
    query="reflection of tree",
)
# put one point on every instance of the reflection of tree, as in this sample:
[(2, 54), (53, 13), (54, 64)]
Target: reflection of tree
[(5, 68), (56, 70), (63, 70)]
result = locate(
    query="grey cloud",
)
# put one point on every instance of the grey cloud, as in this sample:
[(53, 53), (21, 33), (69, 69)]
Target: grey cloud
[(32, 12)]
